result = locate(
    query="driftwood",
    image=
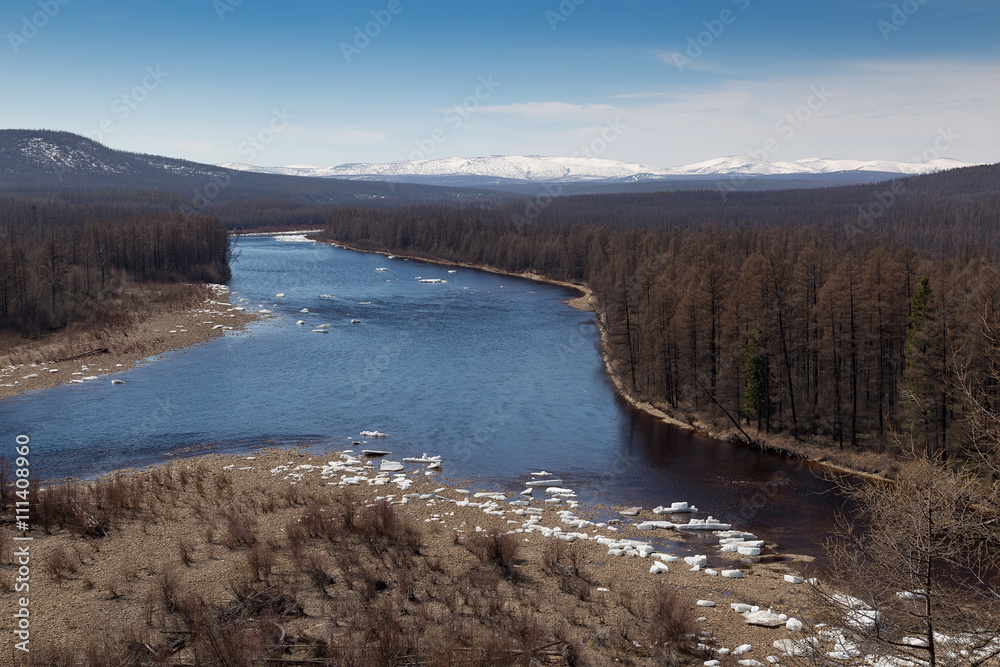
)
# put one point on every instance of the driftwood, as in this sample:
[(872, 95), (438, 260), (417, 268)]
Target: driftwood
[(96, 350)]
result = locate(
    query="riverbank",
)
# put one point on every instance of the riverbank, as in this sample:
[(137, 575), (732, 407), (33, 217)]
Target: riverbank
[(302, 556), (158, 323), (821, 451)]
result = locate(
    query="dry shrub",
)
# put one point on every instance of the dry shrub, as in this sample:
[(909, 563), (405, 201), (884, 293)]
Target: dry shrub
[(291, 493), (347, 508), (241, 530), (672, 624), (382, 530), (185, 546), (168, 584), (499, 550), (320, 520), (252, 598), (58, 564), (315, 569), (261, 558)]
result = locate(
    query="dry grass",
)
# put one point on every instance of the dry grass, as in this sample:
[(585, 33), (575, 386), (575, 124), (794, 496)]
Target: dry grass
[(105, 328), (336, 577)]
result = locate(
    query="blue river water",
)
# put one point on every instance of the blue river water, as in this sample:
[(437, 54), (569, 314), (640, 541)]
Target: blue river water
[(494, 373)]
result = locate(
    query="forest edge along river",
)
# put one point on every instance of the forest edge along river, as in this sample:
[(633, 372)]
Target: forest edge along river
[(494, 373)]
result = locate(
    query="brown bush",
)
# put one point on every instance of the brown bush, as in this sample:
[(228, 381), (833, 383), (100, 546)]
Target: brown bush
[(499, 550), (58, 564)]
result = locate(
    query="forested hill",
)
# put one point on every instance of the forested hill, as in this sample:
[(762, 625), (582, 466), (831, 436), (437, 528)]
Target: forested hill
[(856, 313), (46, 162), (942, 211)]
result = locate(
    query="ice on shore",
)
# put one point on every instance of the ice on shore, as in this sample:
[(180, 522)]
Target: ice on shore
[(710, 523), (764, 618), (544, 482), (293, 238), (650, 525), (860, 615), (675, 508), (422, 459)]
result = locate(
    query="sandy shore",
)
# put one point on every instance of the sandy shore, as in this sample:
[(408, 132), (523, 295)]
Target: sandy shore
[(74, 357), (174, 532)]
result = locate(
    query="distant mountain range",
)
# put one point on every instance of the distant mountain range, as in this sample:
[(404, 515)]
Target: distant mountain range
[(41, 162), (34, 162), (511, 170)]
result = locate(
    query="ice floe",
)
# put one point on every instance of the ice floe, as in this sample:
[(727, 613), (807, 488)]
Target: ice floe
[(675, 508), (710, 523), (544, 482), (422, 459)]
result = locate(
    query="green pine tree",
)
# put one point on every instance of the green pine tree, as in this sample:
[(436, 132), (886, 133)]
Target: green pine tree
[(756, 399)]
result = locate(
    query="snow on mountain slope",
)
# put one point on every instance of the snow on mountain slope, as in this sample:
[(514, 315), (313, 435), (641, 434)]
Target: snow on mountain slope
[(582, 169)]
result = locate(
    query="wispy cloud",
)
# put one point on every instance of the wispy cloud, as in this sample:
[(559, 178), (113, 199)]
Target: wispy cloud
[(641, 96), (562, 111)]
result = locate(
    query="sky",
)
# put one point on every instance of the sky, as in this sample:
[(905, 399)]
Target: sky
[(656, 82)]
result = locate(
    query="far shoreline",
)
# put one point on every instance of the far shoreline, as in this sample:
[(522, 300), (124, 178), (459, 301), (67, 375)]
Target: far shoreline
[(68, 355)]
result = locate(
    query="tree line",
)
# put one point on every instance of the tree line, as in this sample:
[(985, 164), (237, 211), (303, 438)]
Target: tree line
[(60, 261)]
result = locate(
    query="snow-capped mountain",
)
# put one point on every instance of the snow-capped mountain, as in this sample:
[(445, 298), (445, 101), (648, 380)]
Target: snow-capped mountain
[(538, 169)]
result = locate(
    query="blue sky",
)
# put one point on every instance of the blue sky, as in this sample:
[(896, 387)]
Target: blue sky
[(324, 83)]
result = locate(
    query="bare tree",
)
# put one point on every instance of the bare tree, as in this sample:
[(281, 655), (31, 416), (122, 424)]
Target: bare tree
[(913, 571)]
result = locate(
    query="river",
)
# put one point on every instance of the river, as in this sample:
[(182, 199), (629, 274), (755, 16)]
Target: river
[(494, 373)]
